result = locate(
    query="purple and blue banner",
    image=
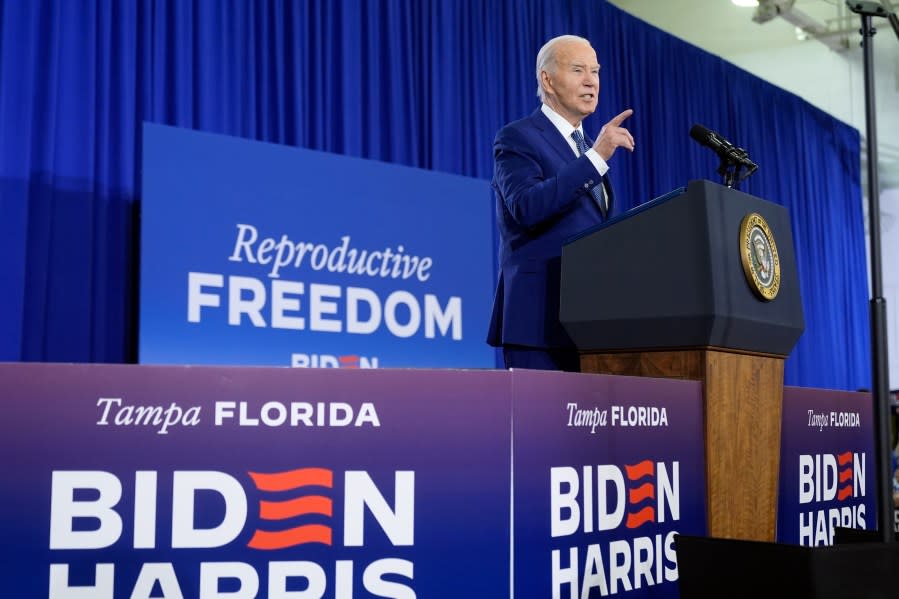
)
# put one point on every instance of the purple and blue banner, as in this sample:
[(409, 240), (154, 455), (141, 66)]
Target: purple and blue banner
[(827, 466), (607, 470), (143, 482), (139, 481), (259, 254)]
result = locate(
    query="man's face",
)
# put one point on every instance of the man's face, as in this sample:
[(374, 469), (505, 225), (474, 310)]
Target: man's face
[(572, 83)]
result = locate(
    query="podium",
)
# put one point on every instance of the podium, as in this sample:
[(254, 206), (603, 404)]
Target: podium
[(700, 284)]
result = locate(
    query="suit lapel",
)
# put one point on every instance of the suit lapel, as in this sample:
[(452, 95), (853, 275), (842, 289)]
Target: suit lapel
[(552, 136)]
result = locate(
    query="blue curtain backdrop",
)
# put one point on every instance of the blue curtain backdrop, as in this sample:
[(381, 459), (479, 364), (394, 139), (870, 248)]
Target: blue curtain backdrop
[(425, 83)]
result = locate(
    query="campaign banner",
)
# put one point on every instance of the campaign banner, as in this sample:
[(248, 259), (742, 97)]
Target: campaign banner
[(260, 254), (827, 466), (210, 482), (606, 470)]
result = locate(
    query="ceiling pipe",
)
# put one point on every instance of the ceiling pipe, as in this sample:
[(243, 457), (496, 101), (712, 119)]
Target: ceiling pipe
[(836, 40)]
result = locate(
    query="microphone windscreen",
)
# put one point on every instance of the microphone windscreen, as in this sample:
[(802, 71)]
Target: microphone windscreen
[(700, 133)]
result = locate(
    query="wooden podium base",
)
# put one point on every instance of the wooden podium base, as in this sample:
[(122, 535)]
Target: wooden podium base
[(742, 399)]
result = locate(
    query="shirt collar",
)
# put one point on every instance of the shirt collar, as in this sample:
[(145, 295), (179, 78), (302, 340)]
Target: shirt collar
[(560, 123)]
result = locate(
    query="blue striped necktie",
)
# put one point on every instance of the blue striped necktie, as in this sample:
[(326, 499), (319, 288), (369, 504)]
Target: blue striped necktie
[(598, 193)]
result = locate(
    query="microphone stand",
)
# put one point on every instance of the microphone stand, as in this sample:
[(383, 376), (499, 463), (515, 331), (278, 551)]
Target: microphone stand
[(730, 170), (880, 374), (731, 166)]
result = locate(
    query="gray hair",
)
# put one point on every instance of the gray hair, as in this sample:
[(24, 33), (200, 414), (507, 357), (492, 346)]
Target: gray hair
[(547, 56)]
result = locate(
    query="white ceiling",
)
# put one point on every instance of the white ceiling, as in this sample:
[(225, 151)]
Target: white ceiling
[(826, 70)]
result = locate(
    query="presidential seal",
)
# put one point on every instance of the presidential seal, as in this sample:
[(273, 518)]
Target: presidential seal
[(759, 256)]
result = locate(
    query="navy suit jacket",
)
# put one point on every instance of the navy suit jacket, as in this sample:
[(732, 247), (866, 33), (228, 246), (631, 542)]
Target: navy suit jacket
[(542, 198)]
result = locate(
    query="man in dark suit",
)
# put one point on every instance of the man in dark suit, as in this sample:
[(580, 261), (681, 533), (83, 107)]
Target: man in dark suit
[(550, 184)]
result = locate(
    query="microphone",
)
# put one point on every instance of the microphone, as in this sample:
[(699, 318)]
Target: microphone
[(725, 150)]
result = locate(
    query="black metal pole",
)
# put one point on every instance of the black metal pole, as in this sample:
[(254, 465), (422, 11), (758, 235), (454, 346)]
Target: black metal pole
[(880, 382)]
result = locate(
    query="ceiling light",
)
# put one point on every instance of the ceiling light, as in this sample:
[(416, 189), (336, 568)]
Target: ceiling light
[(746, 3)]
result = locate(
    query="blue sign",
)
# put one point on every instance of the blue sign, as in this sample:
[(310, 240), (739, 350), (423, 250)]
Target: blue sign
[(827, 466), (143, 481), (607, 470), (254, 253)]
